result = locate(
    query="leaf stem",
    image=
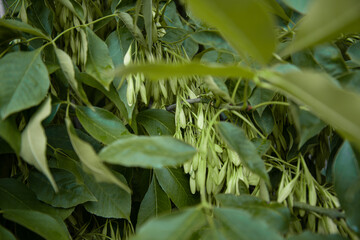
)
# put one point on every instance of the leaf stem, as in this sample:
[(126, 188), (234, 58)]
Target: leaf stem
[(332, 213)]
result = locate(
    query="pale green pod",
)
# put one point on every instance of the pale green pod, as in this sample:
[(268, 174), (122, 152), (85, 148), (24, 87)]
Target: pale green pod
[(182, 118), (130, 91), (163, 88), (234, 157), (192, 185), (187, 166), (200, 117), (143, 94)]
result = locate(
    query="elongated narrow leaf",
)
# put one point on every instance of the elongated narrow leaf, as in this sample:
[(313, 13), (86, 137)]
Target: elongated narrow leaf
[(70, 192), (99, 63), (112, 201), (147, 152), (17, 26), (319, 25), (180, 225), (15, 195), (67, 67), (176, 185), (74, 7), (90, 160), (6, 234), (24, 81), (160, 70), (346, 181), (55, 229), (33, 142), (237, 140), (148, 20), (154, 203), (10, 133), (101, 124), (157, 122), (274, 7), (40, 16), (247, 26), (134, 29), (317, 91)]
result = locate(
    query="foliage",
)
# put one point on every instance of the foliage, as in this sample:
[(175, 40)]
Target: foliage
[(154, 119)]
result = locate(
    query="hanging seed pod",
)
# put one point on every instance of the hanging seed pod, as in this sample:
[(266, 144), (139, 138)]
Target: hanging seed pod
[(193, 185), (130, 91)]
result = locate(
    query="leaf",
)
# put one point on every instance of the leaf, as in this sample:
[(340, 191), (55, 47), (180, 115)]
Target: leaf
[(55, 229), (33, 142), (237, 140), (180, 225), (266, 122), (320, 26), (101, 124), (112, 201), (330, 58), (16, 26), (299, 6), (10, 133), (306, 235), (261, 95), (157, 122), (15, 195), (160, 70), (24, 82), (74, 7), (147, 152), (174, 35), (99, 63), (154, 203), (317, 91), (354, 52), (218, 87), (246, 227), (245, 24), (134, 29), (40, 16), (274, 7), (176, 185), (71, 193), (6, 234), (148, 21), (67, 67), (90, 160), (346, 173), (118, 43)]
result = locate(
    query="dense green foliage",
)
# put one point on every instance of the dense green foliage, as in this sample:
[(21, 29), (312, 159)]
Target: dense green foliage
[(199, 119)]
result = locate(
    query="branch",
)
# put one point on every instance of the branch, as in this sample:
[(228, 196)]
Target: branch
[(191, 101)]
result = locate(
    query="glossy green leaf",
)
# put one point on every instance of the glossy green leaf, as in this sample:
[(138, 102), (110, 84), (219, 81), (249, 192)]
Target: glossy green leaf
[(245, 24), (237, 140), (70, 193), (346, 173), (15, 195), (90, 160), (330, 58), (14, 25), (74, 7), (180, 225), (55, 228), (101, 124), (40, 16), (112, 201), (307, 235), (147, 152), (174, 35), (317, 91), (299, 6), (155, 202), (6, 234), (157, 71), (24, 81), (99, 63), (10, 133), (319, 26), (246, 227), (33, 142), (157, 121), (176, 185), (354, 52)]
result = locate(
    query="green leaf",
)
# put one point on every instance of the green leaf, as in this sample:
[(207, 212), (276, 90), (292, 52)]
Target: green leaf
[(74, 7), (305, 59), (274, 7), (90, 160), (354, 52), (67, 67), (10, 133), (157, 121), (176, 185), (33, 142), (246, 227), (320, 26), (17, 26), (6, 234), (147, 152), (71, 193), (43, 224), (330, 58), (351, 81), (299, 6), (154, 203), (266, 122), (346, 182), (101, 124), (174, 35), (317, 91), (148, 20), (179, 225), (218, 87), (245, 24), (237, 140), (261, 95), (306, 235), (112, 201), (160, 70), (134, 29), (118, 43), (24, 82), (99, 63), (40, 16), (15, 195)]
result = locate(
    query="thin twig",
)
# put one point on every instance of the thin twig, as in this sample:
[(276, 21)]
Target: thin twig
[(191, 101), (333, 213)]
